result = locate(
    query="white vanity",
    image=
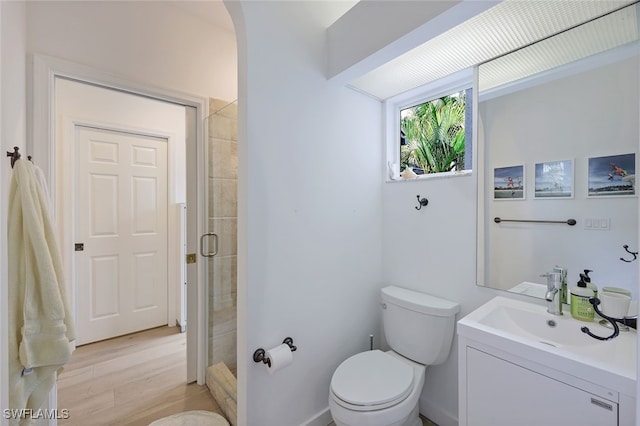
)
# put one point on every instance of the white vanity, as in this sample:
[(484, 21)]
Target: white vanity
[(519, 365)]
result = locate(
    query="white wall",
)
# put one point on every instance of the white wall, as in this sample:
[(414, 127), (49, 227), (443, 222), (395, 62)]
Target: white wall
[(144, 41), (309, 212), (433, 250), (12, 133)]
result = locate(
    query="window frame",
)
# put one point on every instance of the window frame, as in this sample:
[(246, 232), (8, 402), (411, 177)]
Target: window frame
[(462, 80)]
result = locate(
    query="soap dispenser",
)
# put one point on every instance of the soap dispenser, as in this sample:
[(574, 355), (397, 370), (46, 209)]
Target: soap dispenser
[(590, 285), (581, 308)]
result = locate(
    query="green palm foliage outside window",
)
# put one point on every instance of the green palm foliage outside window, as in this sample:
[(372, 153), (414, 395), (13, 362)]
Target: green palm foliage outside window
[(434, 135)]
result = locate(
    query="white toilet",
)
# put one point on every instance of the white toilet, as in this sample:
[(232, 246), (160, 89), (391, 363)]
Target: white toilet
[(376, 388)]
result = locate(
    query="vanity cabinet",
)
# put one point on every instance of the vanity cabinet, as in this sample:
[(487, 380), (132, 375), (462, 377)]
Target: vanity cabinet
[(520, 366), (500, 392)]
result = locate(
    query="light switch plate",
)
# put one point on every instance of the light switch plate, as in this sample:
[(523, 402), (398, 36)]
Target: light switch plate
[(597, 223)]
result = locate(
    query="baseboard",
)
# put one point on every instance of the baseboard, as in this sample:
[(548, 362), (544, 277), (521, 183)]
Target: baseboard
[(436, 414), (323, 418)]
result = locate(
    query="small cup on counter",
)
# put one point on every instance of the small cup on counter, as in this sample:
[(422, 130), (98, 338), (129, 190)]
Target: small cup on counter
[(615, 304)]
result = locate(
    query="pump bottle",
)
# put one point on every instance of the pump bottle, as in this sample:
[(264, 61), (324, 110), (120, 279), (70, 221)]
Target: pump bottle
[(590, 285), (581, 308)]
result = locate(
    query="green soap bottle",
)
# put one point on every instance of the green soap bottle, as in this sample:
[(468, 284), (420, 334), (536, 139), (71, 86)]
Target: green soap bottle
[(581, 308)]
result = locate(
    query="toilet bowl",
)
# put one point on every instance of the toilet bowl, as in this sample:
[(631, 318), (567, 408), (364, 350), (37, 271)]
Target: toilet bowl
[(376, 388)]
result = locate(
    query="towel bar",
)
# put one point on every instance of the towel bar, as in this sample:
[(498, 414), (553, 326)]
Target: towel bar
[(569, 222)]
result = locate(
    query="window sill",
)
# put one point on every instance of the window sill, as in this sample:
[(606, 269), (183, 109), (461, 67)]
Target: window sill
[(432, 176)]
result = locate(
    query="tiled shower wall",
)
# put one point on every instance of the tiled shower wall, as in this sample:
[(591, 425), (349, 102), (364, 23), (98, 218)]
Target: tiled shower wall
[(223, 201)]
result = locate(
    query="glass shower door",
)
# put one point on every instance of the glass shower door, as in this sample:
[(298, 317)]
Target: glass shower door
[(221, 238)]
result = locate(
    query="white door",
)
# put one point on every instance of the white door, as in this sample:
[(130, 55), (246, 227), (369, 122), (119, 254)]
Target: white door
[(121, 232)]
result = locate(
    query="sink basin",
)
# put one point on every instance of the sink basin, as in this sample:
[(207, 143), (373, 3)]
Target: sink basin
[(537, 324)]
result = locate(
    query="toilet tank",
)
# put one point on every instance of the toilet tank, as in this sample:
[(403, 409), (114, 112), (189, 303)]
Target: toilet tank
[(418, 326)]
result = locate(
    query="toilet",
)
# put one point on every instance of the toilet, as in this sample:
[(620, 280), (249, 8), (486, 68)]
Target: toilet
[(377, 388)]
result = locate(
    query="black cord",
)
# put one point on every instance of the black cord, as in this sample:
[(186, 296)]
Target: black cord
[(616, 330)]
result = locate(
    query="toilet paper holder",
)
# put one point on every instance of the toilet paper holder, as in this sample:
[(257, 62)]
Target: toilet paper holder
[(260, 355)]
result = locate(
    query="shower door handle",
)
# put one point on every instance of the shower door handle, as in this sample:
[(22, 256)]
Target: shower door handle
[(215, 244)]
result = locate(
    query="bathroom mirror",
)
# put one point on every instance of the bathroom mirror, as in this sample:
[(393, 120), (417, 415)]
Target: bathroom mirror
[(558, 134)]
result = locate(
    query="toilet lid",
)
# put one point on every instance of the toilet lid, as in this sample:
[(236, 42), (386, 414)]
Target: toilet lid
[(372, 378)]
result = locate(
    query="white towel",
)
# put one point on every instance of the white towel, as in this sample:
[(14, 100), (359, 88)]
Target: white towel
[(40, 325), (45, 189)]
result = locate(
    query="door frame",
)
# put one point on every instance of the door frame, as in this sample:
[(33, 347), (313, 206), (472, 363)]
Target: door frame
[(43, 71)]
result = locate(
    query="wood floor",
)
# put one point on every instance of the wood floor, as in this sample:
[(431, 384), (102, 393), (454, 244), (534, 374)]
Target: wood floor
[(130, 380)]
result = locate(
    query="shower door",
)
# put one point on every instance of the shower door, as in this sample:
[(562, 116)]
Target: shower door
[(219, 243)]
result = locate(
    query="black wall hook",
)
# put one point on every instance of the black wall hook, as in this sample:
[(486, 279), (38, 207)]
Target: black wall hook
[(632, 253), (15, 155), (422, 202)]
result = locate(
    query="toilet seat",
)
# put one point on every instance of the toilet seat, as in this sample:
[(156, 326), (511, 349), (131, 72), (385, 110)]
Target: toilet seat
[(372, 380)]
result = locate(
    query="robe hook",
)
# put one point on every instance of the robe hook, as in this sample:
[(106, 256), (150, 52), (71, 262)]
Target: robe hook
[(15, 155), (632, 253), (422, 202)]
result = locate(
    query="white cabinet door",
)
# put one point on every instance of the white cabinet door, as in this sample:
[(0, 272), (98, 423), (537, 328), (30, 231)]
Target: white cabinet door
[(500, 393)]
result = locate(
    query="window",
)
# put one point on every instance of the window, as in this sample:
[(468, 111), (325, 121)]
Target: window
[(434, 135), (430, 131)]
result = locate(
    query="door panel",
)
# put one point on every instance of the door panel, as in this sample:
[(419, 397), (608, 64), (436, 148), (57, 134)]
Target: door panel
[(104, 271), (121, 217)]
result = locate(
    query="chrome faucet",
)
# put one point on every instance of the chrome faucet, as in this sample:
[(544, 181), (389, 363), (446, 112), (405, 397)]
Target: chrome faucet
[(553, 295)]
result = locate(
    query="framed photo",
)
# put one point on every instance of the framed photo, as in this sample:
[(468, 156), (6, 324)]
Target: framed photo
[(554, 179), (508, 183), (613, 175)]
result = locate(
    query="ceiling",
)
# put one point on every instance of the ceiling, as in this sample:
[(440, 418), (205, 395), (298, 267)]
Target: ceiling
[(215, 12), (506, 27), (603, 34), (211, 11)]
